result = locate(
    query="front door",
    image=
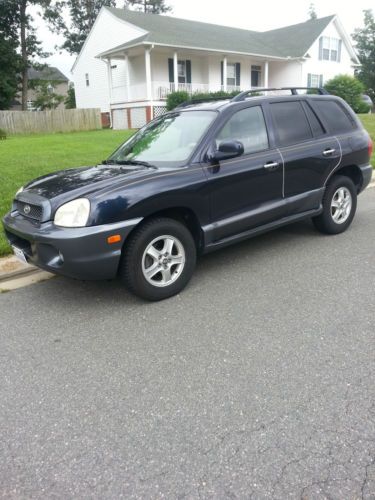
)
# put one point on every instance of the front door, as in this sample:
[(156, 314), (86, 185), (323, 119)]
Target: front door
[(246, 191)]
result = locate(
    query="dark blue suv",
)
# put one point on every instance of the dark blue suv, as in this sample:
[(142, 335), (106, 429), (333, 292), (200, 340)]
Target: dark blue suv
[(198, 178)]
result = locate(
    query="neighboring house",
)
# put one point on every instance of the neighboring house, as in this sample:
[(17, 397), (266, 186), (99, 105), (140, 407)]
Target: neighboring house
[(57, 81), (131, 61)]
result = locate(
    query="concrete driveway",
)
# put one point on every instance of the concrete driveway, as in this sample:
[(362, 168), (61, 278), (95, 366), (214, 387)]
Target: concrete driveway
[(258, 381)]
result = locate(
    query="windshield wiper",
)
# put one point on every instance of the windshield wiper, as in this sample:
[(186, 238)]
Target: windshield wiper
[(129, 162)]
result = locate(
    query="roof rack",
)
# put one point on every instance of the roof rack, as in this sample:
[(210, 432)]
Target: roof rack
[(293, 90), (197, 101), (248, 93)]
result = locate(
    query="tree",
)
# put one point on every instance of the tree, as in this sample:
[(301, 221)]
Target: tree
[(70, 101), (365, 45), (73, 19), (24, 36), (45, 98), (153, 6), (10, 61), (312, 11)]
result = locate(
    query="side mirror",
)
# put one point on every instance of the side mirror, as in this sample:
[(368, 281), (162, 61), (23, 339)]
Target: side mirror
[(228, 149)]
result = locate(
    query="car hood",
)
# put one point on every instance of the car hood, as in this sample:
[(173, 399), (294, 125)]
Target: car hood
[(84, 180)]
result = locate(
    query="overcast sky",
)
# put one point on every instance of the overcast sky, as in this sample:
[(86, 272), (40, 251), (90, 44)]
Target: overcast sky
[(259, 16)]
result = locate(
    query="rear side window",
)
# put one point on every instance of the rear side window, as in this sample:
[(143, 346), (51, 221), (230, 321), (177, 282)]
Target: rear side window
[(336, 118), (248, 127), (290, 122), (315, 124)]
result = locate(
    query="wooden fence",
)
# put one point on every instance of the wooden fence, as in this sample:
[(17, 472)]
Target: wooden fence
[(57, 120)]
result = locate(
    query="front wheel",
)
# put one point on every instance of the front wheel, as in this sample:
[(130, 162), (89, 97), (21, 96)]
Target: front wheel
[(339, 206), (159, 259)]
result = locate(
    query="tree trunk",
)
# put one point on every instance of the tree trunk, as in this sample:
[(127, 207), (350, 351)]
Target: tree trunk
[(24, 74)]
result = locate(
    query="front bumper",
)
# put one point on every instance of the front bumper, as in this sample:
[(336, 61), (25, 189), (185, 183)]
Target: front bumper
[(81, 253)]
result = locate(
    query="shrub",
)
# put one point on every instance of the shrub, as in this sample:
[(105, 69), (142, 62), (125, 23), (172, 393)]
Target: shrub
[(350, 89), (3, 134), (176, 98)]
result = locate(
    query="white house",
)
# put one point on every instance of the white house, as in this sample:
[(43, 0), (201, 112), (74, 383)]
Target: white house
[(131, 61)]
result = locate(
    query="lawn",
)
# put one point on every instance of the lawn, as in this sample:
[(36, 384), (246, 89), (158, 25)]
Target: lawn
[(369, 124), (23, 158)]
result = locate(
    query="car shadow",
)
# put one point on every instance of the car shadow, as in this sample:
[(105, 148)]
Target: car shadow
[(211, 266)]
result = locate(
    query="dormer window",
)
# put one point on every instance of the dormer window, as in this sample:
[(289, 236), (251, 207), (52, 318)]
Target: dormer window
[(329, 49)]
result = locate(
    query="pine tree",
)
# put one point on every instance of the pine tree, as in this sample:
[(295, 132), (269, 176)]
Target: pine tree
[(153, 6), (365, 45)]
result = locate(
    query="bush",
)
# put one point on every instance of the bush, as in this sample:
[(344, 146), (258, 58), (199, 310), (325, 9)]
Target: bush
[(176, 98), (350, 89), (3, 134)]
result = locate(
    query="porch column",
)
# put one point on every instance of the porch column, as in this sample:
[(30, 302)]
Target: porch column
[(109, 75), (225, 73), (175, 70), (148, 74), (127, 76), (266, 74)]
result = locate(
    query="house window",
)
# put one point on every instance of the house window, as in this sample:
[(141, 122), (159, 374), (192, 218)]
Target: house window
[(329, 49), (30, 105), (231, 74), (181, 69), (256, 72), (314, 80), (87, 80)]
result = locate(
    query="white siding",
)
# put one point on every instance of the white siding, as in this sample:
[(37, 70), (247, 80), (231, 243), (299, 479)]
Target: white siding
[(328, 69), (107, 32), (285, 74)]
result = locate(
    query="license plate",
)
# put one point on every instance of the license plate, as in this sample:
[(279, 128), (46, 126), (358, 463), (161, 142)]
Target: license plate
[(19, 254)]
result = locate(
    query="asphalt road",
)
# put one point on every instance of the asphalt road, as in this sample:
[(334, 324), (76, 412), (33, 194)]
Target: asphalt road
[(258, 381)]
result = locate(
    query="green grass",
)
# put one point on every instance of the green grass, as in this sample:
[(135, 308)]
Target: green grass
[(23, 158), (369, 124)]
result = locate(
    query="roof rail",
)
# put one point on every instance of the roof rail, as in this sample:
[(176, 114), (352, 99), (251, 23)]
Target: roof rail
[(197, 101), (293, 90)]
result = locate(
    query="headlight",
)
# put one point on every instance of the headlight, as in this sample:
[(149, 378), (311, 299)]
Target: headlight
[(73, 214), (20, 190)]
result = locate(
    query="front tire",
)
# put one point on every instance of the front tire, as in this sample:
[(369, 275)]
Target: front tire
[(158, 259), (339, 206)]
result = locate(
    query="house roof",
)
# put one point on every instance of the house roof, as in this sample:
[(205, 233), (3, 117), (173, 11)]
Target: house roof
[(290, 41), (48, 73)]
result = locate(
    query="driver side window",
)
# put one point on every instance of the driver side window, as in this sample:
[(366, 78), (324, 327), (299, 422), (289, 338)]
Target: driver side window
[(247, 126)]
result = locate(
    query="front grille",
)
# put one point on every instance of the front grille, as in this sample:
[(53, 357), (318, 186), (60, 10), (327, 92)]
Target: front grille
[(29, 210)]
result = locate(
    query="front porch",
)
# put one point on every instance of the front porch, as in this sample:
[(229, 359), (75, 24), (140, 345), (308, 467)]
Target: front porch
[(141, 78)]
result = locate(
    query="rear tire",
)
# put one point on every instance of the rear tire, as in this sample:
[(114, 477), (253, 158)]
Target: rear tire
[(158, 259), (339, 206)]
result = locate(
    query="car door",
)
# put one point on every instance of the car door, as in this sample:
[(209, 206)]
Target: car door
[(246, 191), (309, 153)]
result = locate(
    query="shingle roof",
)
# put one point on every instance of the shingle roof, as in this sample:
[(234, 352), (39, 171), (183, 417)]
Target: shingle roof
[(291, 41), (48, 73)]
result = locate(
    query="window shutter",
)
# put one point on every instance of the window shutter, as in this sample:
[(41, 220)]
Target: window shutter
[(170, 70), (320, 81), (188, 71), (321, 48), (309, 79), (339, 52), (238, 74), (222, 73)]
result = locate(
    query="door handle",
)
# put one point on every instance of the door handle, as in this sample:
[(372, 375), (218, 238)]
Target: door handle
[(328, 152), (271, 165)]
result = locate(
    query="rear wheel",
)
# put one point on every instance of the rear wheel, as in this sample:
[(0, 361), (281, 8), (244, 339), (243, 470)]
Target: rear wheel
[(159, 259), (339, 206)]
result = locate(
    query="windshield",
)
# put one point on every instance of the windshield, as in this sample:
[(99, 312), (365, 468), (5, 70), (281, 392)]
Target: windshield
[(169, 140)]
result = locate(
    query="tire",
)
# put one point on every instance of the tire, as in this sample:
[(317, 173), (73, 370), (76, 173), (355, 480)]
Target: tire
[(158, 245), (339, 206)]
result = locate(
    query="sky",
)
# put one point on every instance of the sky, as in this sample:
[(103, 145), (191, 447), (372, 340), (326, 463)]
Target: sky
[(259, 16)]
